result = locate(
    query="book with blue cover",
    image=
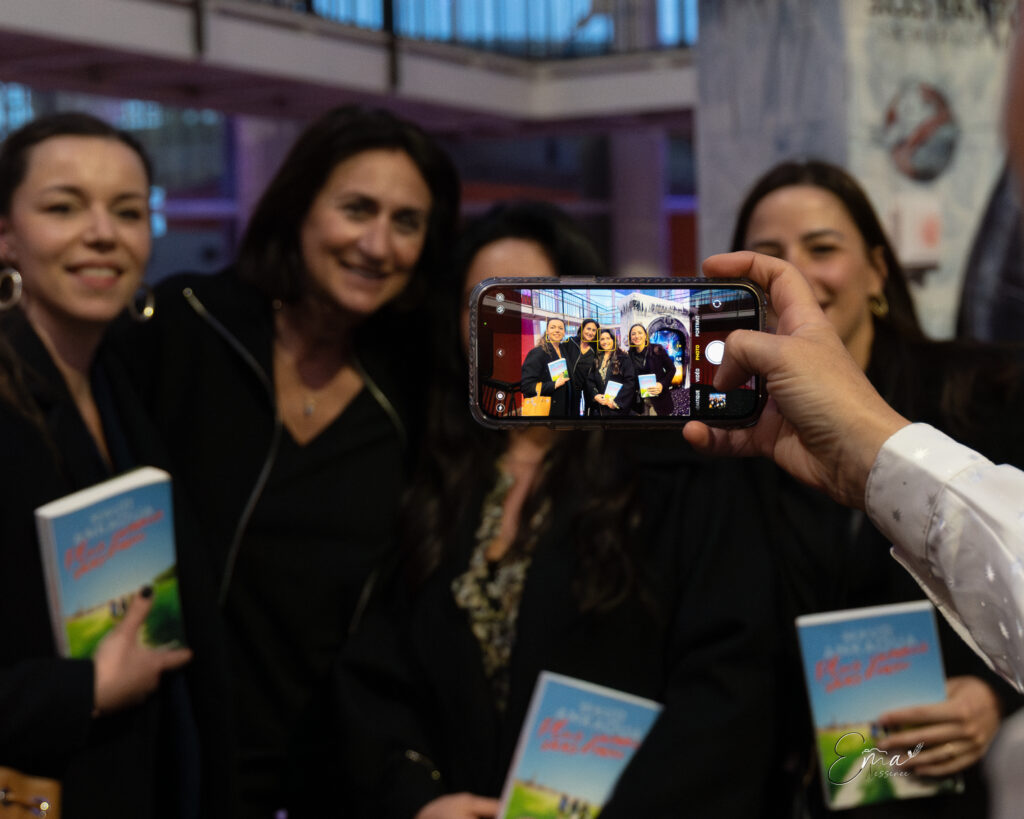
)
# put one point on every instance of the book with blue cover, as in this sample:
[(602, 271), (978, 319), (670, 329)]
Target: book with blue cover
[(859, 664), (558, 368), (576, 740), (99, 547), (647, 381), (612, 389)]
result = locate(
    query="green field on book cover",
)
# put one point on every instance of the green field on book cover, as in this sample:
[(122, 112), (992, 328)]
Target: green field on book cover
[(102, 545)]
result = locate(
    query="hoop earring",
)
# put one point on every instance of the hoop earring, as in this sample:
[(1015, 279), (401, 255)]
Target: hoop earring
[(148, 309), (879, 305), (9, 274)]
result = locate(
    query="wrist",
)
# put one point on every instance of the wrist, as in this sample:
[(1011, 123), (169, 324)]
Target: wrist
[(862, 447)]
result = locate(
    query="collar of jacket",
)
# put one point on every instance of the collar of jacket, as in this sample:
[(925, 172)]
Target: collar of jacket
[(244, 318), (41, 377)]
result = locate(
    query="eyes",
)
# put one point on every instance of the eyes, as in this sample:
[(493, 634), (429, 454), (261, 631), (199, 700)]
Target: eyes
[(407, 221), (818, 246), (72, 206)]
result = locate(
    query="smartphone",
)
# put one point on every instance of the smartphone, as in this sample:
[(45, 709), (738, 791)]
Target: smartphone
[(574, 353)]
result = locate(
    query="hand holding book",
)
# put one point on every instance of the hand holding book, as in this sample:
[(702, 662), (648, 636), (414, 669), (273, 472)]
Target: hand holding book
[(956, 733), (126, 670), (459, 806)]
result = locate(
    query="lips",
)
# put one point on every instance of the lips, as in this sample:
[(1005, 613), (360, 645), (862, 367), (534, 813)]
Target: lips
[(366, 273), (96, 274)]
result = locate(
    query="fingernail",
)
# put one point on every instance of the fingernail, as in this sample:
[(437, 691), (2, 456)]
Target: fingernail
[(147, 591)]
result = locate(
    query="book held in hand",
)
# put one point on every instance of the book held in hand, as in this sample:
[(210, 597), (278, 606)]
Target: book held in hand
[(859, 664), (577, 739), (611, 389), (647, 380), (99, 547), (558, 368)]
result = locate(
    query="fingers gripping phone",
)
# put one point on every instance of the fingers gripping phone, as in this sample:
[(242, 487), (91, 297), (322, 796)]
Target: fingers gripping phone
[(572, 353)]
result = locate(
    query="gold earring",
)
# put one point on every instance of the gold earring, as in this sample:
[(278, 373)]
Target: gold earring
[(879, 305), (145, 311)]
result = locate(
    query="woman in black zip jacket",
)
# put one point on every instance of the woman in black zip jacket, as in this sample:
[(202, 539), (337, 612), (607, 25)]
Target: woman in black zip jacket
[(580, 353), (280, 385)]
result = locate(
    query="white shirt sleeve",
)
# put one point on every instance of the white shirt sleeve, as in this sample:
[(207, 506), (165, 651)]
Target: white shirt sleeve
[(957, 524)]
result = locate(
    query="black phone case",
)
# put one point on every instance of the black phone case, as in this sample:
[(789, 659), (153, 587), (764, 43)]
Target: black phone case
[(629, 422)]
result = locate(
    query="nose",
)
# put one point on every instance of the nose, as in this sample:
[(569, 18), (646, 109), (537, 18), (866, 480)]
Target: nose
[(100, 230), (375, 239)]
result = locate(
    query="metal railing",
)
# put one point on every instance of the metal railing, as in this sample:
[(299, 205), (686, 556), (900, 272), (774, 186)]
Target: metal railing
[(531, 29)]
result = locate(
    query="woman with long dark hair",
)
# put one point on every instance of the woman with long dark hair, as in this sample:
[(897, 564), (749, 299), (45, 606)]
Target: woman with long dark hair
[(652, 359), (74, 243), (612, 367), (282, 385), (815, 216), (532, 549), (580, 353)]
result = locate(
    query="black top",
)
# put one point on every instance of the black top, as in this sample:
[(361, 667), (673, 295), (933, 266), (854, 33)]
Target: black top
[(138, 762), (580, 364), (697, 638), (311, 543), (321, 514)]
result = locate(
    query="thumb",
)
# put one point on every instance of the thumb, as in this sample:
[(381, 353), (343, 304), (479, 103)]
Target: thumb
[(138, 610), (170, 659), (747, 353)]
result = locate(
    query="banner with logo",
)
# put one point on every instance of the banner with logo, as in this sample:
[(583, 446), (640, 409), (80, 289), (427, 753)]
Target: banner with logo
[(906, 94)]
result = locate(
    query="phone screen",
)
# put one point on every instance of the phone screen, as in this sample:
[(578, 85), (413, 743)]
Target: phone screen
[(613, 352)]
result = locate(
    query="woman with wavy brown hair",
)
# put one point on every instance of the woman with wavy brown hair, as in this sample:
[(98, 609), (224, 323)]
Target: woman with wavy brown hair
[(817, 217), (609, 559)]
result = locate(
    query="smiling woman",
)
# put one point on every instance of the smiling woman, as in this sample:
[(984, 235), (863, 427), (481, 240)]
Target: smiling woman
[(816, 216), (280, 386), (74, 241)]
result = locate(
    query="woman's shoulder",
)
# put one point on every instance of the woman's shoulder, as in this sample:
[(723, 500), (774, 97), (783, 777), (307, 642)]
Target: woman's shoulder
[(221, 292)]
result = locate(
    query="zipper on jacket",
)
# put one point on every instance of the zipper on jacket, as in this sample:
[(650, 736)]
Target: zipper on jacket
[(275, 440)]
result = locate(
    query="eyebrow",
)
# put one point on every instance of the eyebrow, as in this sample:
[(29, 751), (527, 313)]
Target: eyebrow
[(354, 193), (823, 233), (77, 191), (810, 236)]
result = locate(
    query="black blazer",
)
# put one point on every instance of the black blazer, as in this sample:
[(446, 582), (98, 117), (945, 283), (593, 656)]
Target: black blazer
[(535, 370), (655, 360), (138, 762), (596, 385), (698, 638)]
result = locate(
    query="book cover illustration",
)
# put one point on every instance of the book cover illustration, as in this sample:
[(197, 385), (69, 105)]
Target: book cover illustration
[(558, 368), (99, 546), (611, 389), (576, 740), (858, 664), (647, 380)]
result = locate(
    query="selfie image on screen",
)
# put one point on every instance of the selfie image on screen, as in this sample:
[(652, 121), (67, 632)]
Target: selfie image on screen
[(610, 353)]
